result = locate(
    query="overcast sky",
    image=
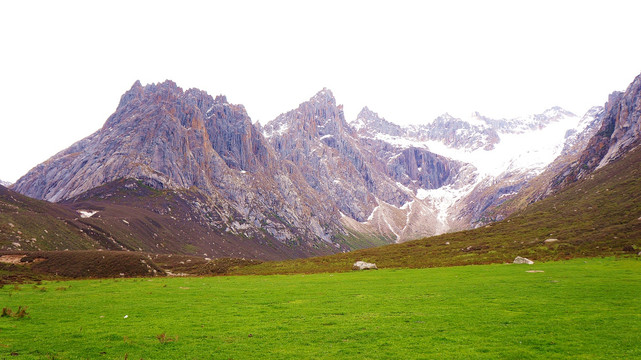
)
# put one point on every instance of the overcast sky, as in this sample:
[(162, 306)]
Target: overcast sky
[(64, 65)]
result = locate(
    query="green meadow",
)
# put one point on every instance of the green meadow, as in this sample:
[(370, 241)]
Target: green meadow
[(578, 309)]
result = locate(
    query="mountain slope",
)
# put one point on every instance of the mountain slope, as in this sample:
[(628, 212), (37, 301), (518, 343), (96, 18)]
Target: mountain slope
[(184, 221), (29, 224)]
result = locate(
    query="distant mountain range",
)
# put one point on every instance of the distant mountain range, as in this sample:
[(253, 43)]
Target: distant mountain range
[(192, 174)]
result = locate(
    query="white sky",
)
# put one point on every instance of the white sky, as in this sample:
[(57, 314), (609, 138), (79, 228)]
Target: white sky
[(64, 65)]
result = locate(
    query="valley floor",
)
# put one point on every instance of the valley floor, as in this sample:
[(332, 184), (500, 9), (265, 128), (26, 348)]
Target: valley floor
[(582, 308)]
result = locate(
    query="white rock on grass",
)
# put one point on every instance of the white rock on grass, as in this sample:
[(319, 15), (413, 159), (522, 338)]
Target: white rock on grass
[(522, 260), (362, 265), (550, 241)]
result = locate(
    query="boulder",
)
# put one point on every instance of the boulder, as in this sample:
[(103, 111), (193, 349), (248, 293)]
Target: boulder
[(522, 260), (362, 265), (547, 241)]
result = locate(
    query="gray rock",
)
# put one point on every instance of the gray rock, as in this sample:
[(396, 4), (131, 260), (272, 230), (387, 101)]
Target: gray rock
[(522, 260), (362, 265)]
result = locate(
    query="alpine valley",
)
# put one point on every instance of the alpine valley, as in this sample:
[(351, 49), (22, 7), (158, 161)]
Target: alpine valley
[(174, 171)]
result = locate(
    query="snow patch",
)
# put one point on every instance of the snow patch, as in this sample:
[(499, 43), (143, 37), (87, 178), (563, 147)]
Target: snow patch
[(404, 188), (398, 237), (87, 213), (371, 216), (444, 198), (280, 130)]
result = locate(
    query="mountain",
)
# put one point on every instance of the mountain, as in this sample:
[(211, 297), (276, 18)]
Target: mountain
[(5, 183), (619, 132), (373, 186), (184, 172), (497, 157), (178, 141), (595, 216)]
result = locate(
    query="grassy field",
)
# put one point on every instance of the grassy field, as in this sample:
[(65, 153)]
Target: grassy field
[(580, 309)]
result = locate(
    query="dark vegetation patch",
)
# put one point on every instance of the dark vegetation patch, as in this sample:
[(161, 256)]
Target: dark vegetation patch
[(36, 266), (131, 215), (225, 266), (40, 265)]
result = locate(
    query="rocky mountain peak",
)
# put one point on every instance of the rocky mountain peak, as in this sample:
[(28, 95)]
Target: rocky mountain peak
[(159, 132), (619, 131), (135, 92), (220, 99), (369, 123), (366, 113), (324, 96), (317, 117)]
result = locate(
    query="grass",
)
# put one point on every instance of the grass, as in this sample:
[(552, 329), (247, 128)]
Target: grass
[(580, 309)]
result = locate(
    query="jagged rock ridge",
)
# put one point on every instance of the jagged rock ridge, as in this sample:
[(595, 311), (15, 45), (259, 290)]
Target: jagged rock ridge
[(619, 132), (309, 178), (175, 139)]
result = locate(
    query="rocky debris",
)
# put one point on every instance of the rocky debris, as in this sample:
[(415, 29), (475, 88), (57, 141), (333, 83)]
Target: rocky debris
[(362, 265), (472, 248), (549, 241), (522, 260)]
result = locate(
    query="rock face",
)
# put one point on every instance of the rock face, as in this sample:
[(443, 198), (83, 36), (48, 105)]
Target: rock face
[(362, 265), (619, 132)]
